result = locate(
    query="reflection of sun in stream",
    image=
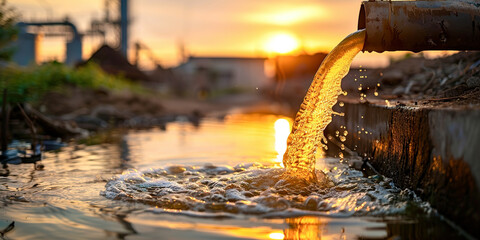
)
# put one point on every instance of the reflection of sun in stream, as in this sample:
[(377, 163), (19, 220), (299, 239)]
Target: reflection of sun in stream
[(276, 235), (282, 130), (306, 227)]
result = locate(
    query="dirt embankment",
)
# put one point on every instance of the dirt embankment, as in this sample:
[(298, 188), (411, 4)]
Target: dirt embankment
[(99, 109), (70, 111)]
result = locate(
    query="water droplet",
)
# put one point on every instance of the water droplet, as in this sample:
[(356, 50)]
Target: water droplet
[(343, 138), (345, 133), (341, 104)]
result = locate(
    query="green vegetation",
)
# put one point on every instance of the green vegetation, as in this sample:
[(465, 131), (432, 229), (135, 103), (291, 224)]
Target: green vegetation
[(30, 84)]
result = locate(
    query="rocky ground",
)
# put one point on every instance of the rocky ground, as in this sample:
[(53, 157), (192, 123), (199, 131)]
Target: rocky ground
[(452, 81)]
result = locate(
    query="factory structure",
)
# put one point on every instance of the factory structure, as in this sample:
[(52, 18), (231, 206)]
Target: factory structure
[(115, 22)]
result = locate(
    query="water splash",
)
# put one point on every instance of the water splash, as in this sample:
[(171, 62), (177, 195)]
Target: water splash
[(222, 191), (316, 110)]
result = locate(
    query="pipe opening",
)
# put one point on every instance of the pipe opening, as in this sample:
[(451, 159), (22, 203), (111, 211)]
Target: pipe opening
[(419, 25), (361, 18)]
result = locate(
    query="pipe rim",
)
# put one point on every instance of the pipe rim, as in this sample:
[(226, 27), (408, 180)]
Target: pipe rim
[(361, 18)]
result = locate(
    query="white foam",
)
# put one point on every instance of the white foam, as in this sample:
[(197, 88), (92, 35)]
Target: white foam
[(220, 191)]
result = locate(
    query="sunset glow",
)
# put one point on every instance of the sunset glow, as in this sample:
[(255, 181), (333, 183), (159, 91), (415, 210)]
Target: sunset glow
[(208, 28), (282, 43), (288, 16)]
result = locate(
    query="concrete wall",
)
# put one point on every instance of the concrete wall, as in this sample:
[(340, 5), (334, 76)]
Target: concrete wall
[(433, 151)]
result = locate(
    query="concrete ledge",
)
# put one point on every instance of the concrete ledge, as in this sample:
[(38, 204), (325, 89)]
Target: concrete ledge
[(433, 151)]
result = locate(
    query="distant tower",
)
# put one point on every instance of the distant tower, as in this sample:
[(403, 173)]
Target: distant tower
[(182, 51), (124, 20)]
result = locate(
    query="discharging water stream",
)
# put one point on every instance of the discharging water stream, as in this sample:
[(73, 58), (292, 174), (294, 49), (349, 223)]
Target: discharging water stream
[(316, 109), (222, 179)]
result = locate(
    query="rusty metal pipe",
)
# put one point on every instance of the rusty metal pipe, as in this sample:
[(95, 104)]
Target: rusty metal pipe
[(420, 25)]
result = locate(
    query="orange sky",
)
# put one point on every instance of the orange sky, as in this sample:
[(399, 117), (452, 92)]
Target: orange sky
[(212, 27)]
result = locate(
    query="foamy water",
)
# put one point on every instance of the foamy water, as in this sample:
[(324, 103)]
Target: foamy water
[(223, 191)]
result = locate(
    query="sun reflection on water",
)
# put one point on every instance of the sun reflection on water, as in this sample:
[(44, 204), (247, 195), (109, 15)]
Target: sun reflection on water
[(276, 235), (306, 227), (282, 130)]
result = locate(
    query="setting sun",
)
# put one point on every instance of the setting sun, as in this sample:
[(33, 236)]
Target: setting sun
[(281, 43)]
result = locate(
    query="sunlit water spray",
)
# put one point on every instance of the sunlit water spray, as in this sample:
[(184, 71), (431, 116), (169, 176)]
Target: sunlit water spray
[(270, 190)]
